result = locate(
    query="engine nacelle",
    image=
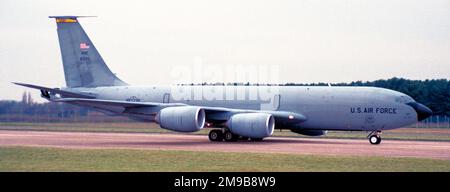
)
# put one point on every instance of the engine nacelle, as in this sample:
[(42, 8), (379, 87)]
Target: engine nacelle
[(310, 132), (182, 119), (253, 125)]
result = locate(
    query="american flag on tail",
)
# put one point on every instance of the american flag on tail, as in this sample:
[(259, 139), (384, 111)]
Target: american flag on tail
[(84, 46)]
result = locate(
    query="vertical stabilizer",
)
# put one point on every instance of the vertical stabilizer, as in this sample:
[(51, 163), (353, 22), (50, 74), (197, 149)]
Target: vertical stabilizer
[(83, 65)]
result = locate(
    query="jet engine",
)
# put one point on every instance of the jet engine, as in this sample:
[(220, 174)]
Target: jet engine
[(182, 119), (253, 125), (310, 132)]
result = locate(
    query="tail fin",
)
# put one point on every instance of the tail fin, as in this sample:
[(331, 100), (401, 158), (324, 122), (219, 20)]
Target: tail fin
[(83, 65)]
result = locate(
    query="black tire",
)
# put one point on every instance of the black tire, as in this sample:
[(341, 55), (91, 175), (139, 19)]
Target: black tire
[(229, 136), (379, 140), (375, 139), (215, 135)]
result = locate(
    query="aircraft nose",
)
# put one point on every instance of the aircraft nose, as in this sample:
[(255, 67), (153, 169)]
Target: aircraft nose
[(422, 111)]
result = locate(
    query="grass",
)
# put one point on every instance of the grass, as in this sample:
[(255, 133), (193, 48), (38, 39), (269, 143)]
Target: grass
[(426, 134), (53, 159)]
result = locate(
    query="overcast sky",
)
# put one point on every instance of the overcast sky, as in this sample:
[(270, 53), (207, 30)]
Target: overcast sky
[(310, 40)]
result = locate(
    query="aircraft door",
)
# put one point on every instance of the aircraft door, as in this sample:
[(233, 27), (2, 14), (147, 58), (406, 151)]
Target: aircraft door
[(276, 102), (166, 98), (273, 104)]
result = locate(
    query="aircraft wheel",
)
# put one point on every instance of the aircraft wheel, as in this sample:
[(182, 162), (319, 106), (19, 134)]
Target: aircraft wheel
[(229, 136), (375, 139), (215, 135), (379, 140)]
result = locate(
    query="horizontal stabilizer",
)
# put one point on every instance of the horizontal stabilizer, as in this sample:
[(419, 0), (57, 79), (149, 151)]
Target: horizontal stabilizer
[(56, 91)]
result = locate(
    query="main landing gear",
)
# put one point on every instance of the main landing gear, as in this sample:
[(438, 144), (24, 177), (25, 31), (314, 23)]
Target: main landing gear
[(222, 135), (228, 136), (215, 135), (374, 137)]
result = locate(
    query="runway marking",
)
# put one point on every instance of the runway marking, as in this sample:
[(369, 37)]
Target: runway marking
[(304, 146)]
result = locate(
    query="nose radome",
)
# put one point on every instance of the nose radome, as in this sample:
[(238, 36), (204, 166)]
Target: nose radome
[(422, 111)]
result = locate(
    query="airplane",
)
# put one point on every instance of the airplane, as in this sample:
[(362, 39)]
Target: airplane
[(306, 110)]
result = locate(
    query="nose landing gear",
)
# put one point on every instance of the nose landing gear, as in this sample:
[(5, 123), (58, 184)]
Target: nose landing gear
[(374, 137)]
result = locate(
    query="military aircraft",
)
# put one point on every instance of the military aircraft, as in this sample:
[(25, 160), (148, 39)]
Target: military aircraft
[(306, 110)]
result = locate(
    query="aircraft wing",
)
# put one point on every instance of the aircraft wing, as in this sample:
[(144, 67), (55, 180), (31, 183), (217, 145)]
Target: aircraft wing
[(284, 118), (114, 103), (46, 90), (145, 109)]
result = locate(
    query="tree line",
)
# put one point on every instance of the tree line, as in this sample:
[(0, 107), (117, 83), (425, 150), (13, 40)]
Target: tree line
[(28, 110), (433, 93)]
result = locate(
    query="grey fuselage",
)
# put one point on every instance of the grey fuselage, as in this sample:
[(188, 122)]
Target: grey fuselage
[(325, 107)]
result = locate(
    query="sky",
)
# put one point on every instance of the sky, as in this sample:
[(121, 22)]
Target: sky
[(143, 41)]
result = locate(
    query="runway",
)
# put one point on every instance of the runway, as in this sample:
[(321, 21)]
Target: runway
[(304, 146)]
